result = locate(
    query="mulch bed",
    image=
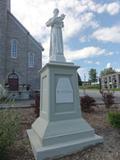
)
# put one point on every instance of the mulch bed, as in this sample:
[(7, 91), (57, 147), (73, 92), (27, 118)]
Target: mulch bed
[(109, 150)]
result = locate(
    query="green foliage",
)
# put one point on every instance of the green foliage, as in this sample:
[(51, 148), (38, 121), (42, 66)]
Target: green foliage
[(9, 126), (3, 94), (87, 103), (114, 119), (3, 97), (115, 89), (92, 86), (92, 75), (107, 71)]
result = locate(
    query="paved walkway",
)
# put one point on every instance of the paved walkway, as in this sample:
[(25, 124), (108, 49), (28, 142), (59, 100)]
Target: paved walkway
[(98, 97), (18, 104), (29, 103)]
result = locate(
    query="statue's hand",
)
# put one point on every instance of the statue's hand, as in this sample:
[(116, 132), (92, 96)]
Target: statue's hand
[(62, 16)]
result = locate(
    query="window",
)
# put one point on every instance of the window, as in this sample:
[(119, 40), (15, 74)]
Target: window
[(13, 48), (109, 79), (31, 59)]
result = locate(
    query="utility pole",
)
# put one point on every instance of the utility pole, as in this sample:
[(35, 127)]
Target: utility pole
[(84, 91)]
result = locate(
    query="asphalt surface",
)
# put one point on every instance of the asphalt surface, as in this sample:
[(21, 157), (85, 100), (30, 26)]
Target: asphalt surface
[(98, 97), (18, 104)]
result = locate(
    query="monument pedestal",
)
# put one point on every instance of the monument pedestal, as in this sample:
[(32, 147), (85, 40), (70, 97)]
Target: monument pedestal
[(60, 129)]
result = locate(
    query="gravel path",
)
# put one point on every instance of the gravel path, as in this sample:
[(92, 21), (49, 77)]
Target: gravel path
[(109, 150)]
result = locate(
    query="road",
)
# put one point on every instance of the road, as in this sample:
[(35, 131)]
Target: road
[(98, 97)]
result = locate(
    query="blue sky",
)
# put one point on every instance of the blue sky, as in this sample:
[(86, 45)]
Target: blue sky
[(91, 32)]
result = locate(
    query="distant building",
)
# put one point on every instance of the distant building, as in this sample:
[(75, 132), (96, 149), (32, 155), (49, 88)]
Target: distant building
[(110, 81), (20, 53)]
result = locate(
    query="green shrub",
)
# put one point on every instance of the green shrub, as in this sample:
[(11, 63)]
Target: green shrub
[(3, 92), (9, 125), (87, 103), (90, 86), (114, 119)]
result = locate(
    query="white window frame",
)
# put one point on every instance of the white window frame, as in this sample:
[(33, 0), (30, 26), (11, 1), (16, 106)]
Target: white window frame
[(13, 48), (31, 60)]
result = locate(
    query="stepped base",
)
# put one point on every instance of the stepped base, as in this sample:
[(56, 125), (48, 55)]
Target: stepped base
[(60, 138), (61, 149)]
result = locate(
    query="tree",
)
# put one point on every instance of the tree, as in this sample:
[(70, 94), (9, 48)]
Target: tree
[(92, 75), (107, 71), (79, 80)]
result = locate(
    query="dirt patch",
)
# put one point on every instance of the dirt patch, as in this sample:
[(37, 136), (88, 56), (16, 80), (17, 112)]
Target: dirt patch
[(109, 150)]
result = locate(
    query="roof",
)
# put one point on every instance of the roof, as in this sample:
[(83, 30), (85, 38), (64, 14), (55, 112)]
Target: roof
[(116, 73), (26, 31)]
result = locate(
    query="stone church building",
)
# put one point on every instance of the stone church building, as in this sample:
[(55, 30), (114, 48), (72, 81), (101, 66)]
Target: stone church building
[(20, 53)]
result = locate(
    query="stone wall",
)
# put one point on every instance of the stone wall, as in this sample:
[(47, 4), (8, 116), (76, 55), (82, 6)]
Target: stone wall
[(3, 25), (25, 44), (11, 28)]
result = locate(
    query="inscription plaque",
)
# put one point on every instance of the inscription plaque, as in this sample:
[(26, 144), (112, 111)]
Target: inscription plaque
[(64, 91)]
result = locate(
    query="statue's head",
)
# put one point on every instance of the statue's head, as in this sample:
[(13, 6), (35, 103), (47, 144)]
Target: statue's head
[(56, 11)]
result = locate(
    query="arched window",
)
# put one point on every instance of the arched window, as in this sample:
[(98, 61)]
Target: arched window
[(31, 60), (13, 48)]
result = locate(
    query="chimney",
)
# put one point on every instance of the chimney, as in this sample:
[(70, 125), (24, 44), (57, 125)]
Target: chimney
[(9, 5)]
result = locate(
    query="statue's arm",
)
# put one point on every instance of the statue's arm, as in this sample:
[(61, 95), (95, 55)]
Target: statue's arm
[(50, 22), (55, 20)]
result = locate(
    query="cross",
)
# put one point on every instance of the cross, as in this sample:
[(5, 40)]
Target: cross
[(56, 3)]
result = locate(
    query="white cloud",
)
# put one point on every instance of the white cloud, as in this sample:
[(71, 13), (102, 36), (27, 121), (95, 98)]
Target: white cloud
[(45, 54), (108, 65), (72, 55), (117, 69), (97, 63), (79, 15), (84, 53), (108, 34), (84, 38), (110, 53), (88, 61), (110, 8), (92, 62), (113, 8), (34, 13)]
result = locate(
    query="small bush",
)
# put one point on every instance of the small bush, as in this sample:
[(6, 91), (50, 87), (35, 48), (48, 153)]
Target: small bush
[(108, 99), (9, 125), (37, 105), (114, 119), (3, 94), (87, 103)]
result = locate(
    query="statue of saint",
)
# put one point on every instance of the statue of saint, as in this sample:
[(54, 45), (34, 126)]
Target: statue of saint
[(56, 39)]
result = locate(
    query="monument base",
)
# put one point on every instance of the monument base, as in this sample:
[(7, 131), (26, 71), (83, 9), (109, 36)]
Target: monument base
[(57, 58), (63, 143), (60, 129)]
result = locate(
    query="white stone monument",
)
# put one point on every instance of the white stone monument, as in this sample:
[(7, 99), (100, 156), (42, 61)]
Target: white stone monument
[(56, 39), (60, 129)]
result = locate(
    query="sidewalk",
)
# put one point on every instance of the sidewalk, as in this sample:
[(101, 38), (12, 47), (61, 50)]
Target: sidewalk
[(98, 97), (18, 104)]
